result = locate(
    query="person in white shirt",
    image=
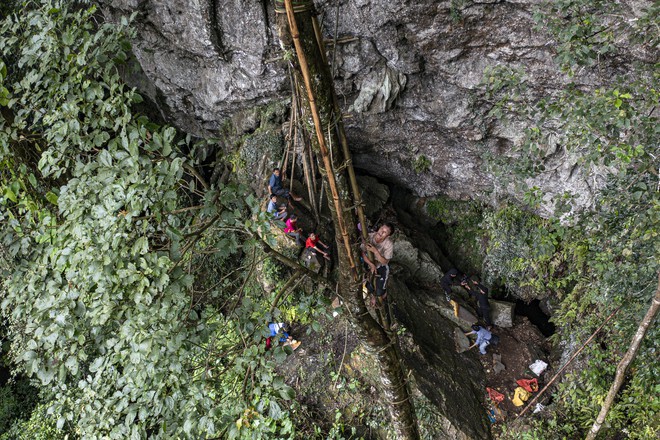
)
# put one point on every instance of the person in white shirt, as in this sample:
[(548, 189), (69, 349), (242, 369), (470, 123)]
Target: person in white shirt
[(380, 244)]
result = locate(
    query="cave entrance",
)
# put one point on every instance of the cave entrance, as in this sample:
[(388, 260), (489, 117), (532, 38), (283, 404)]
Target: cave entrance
[(536, 316)]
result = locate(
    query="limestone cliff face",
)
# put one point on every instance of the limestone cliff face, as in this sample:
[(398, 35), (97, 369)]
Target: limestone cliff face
[(408, 73)]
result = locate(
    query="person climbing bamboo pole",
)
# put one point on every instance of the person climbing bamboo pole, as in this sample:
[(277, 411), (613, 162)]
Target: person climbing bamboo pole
[(325, 154), (316, 83), (625, 363)]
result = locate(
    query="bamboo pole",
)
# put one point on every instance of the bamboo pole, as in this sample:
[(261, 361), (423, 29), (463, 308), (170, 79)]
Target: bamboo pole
[(306, 155), (593, 335), (622, 368), (319, 132), (357, 196)]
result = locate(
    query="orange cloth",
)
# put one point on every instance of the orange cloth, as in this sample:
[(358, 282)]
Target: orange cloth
[(494, 395), (531, 385)]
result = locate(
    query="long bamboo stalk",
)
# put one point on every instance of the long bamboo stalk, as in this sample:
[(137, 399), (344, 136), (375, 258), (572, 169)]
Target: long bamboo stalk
[(344, 142), (319, 132), (306, 154), (627, 359)]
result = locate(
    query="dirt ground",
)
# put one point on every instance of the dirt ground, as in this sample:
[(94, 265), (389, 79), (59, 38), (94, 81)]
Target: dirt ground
[(311, 371), (519, 347)]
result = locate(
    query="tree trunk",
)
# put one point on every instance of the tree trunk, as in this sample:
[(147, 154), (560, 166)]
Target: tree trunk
[(625, 362), (297, 34)]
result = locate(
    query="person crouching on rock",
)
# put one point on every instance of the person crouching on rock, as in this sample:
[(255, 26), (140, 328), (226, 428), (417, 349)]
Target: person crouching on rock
[(483, 338), (311, 245)]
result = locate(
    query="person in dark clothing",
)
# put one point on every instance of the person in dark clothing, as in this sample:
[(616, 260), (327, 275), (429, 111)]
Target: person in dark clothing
[(275, 186), (480, 293), (448, 280)]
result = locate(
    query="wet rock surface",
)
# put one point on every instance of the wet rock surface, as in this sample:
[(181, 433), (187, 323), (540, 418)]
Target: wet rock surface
[(450, 380), (502, 313)]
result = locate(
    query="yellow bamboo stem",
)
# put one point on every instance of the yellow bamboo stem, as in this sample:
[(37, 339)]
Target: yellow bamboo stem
[(304, 67), (344, 142)]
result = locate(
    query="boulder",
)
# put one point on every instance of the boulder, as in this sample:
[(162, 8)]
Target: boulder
[(502, 313)]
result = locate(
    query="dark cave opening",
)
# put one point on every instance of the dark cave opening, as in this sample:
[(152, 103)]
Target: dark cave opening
[(536, 316)]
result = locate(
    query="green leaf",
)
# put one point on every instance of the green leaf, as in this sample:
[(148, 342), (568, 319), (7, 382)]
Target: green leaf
[(167, 147), (9, 194), (280, 354), (287, 393), (52, 198), (141, 246)]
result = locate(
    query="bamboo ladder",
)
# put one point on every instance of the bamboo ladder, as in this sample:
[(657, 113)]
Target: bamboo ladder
[(325, 151)]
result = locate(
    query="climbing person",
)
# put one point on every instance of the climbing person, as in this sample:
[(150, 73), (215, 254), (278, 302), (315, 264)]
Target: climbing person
[(293, 230), (275, 186), (480, 293), (448, 280), (483, 338), (285, 338), (381, 245), (311, 246), (278, 212)]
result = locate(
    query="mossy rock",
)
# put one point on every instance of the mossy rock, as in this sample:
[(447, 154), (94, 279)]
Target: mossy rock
[(460, 230)]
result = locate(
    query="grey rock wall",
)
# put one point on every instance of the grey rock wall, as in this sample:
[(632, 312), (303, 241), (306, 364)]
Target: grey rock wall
[(408, 73)]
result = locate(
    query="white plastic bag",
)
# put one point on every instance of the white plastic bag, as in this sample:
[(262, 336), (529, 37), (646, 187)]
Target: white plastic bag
[(538, 367)]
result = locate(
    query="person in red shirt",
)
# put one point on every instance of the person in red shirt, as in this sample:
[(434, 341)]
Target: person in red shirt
[(311, 245)]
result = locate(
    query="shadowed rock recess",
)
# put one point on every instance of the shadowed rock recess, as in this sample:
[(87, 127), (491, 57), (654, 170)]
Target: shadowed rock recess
[(408, 74)]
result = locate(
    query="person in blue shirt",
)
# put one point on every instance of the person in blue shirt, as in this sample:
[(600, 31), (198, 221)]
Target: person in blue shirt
[(285, 338), (278, 212), (275, 186), (483, 338)]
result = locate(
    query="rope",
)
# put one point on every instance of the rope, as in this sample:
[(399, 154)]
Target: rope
[(300, 6), (399, 402)]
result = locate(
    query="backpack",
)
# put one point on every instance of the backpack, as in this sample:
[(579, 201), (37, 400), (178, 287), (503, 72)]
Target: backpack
[(494, 340)]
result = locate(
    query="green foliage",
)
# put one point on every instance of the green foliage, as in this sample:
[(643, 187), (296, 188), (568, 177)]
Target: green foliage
[(521, 250), (591, 32), (606, 256), (456, 9), (461, 230), (40, 426), (421, 164), (16, 401), (105, 302)]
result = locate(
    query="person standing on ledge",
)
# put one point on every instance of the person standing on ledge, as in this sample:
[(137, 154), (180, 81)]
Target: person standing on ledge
[(480, 293), (381, 245), (448, 280), (275, 186)]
